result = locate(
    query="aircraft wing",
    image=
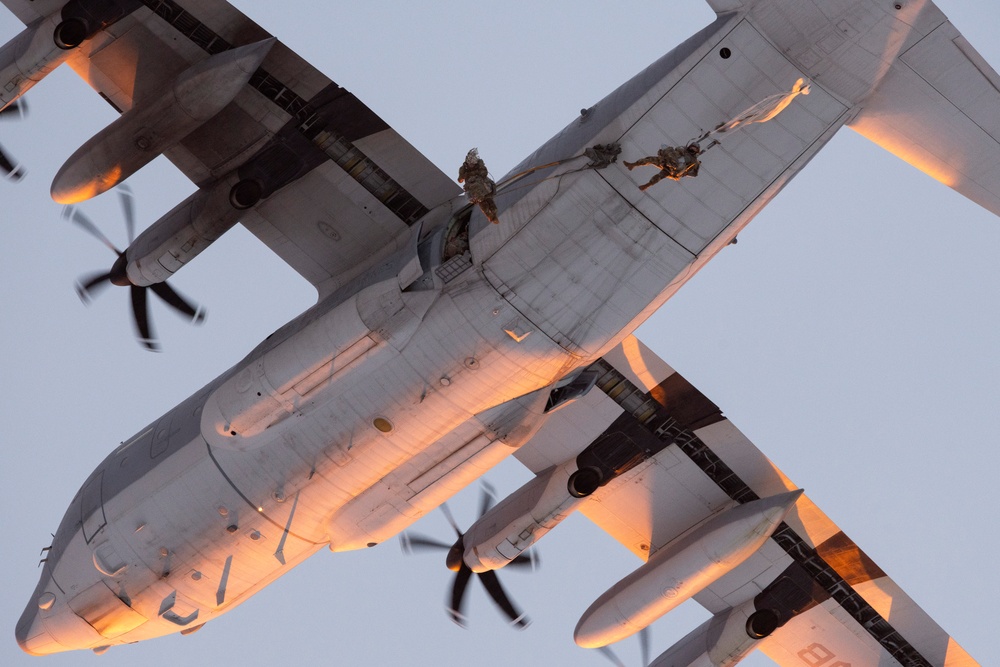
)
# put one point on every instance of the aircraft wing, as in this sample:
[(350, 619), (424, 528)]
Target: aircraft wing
[(935, 106), (836, 605), (340, 183), (29, 11), (936, 109)]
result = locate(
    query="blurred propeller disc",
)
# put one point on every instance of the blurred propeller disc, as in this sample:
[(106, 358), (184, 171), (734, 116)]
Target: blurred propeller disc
[(643, 636), (88, 287), (413, 543), (16, 110)]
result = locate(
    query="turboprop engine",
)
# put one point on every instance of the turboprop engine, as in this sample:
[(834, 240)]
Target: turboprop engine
[(81, 19), (723, 640), (683, 568), (44, 45), (28, 58), (166, 245), (147, 130), (521, 519), (181, 234)]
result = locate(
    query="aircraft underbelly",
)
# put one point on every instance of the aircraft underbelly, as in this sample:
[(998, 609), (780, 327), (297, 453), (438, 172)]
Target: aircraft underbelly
[(446, 390), (374, 407), (352, 460), (437, 376), (594, 255), (371, 415)]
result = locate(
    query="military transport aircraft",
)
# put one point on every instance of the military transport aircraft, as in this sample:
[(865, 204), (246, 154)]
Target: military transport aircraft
[(153, 575)]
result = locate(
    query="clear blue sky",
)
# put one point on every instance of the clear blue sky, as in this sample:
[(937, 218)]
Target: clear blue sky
[(850, 334)]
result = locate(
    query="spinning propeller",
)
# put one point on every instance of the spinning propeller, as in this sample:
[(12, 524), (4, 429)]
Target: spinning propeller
[(14, 110), (412, 543), (87, 287), (643, 636)]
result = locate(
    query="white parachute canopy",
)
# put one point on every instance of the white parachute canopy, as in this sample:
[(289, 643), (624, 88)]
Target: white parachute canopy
[(764, 110)]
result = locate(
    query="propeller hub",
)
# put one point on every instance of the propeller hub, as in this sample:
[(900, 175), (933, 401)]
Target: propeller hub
[(454, 558), (463, 573), (119, 275)]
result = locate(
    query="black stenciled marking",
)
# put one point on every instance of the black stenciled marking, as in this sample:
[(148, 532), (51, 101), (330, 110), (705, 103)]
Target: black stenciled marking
[(249, 502), (653, 416), (332, 121)]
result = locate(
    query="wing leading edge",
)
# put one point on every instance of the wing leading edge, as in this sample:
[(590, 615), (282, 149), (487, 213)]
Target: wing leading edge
[(834, 603)]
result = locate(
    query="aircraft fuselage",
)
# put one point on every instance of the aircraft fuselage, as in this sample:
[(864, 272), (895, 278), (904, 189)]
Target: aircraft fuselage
[(430, 365)]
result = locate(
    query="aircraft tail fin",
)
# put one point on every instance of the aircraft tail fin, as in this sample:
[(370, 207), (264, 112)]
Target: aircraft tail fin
[(938, 108)]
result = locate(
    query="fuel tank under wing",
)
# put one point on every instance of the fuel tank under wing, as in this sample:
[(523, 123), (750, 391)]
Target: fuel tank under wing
[(830, 597)]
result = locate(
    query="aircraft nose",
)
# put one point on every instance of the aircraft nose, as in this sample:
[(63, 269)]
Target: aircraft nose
[(32, 636)]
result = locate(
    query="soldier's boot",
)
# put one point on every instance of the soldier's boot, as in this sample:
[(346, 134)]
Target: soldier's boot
[(489, 209)]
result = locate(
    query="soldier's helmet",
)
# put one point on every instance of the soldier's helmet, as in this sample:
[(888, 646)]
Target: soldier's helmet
[(694, 149), (472, 157)]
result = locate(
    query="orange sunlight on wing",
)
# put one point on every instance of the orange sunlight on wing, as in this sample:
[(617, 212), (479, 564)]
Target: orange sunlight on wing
[(121, 76), (923, 158), (633, 353)]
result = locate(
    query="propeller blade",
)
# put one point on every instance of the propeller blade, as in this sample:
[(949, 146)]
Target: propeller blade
[(644, 645), (11, 171), (77, 217), (451, 519), (526, 559), (610, 655), (643, 635), (485, 501), (118, 273), (178, 303), (17, 108), (127, 199), (492, 584), (86, 290), (412, 543), (458, 589), (463, 573), (140, 313)]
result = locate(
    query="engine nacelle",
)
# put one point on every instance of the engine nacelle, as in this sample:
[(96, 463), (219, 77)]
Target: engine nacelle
[(144, 132), (29, 58), (723, 640), (521, 519), (82, 19), (182, 233), (39, 49), (682, 569)]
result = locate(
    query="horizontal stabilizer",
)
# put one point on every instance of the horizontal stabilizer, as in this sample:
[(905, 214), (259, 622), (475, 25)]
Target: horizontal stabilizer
[(938, 108)]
